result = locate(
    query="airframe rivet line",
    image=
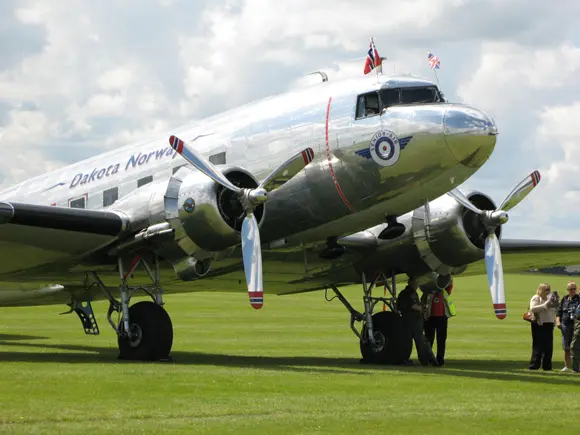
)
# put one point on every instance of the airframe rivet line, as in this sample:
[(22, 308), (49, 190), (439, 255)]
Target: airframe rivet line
[(338, 189)]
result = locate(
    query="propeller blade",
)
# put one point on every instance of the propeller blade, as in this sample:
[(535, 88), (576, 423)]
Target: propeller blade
[(461, 199), (252, 256), (494, 268), (287, 170), (520, 191), (196, 159)]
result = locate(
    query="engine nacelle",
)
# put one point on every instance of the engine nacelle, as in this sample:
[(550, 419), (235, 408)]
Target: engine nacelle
[(205, 217), (435, 247)]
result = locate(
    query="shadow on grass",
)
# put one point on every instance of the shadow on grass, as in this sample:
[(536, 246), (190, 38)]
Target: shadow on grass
[(506, 370), (15, 337)]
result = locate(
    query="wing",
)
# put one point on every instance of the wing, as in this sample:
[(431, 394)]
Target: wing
[(523, 255), (33, 235)]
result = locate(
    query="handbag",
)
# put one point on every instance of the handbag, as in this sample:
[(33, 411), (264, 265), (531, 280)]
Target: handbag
[(528, 316)]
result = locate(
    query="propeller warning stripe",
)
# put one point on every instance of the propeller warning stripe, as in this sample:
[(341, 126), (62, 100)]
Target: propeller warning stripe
[(500, 311), (535, 178), (308, 155), (256, 299), (176, 144)]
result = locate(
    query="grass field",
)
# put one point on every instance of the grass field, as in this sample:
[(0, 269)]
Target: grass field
[(292, 367)]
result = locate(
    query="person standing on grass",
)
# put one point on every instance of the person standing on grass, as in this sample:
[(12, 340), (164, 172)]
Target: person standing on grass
[(565, 321), (575, 345), (543, 311), (437, 308), (412, 313)]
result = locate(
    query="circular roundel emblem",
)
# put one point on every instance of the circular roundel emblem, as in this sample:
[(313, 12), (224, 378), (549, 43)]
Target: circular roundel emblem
[(189, 205), (384, 148)]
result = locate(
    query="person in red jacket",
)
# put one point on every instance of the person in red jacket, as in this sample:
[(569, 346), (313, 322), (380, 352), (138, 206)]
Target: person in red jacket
[(437, 310)]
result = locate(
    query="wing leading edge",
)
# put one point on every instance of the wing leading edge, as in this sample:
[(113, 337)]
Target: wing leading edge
[(32, 235), (521, 255)]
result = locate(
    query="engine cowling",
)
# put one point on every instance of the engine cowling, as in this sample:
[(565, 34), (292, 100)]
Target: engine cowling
[(437, 242), (205, 217)]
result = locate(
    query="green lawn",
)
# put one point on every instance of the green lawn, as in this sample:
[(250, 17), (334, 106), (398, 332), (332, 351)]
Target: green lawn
[(292, 367)]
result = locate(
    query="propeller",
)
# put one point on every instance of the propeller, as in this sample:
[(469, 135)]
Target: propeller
[(492, 219), (250, 199)]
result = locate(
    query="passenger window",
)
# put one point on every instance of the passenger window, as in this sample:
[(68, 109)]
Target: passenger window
[(177, 168), (145, 180), (110, 196), (218, 159), (368, 105), (78, 202)]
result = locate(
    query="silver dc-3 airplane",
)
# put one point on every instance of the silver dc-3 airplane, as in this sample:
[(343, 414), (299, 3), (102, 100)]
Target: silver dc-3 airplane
[(343, 182)]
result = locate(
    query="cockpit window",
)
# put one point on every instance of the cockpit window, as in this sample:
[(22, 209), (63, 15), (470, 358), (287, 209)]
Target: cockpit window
[(389, 97), (372, 103), (368, 105), (419, 95)]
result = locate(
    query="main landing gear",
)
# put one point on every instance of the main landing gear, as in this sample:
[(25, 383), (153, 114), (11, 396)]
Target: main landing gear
[(144, 330), (384, 338)]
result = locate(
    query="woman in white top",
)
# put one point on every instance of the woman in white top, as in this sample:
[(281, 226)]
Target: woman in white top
[(543, 317)]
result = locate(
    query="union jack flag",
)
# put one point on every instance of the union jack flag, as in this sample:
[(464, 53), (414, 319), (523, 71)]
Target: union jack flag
[(433, 61), (373, 59)]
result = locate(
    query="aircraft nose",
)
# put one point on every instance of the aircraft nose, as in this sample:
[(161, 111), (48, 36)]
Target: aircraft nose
[(470, 134)]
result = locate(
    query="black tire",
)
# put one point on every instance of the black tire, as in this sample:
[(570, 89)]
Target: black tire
[(155, 333), (396, 342)]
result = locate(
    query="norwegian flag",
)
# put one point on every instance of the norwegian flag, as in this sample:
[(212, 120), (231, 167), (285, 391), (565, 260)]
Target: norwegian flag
[(373, 59), (433, 61)]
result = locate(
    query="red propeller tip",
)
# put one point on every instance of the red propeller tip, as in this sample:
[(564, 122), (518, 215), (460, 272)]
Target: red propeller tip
[(256, 299), (176, 143)]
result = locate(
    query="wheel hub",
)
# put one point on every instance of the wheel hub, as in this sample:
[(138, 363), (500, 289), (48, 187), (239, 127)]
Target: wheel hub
[(135, 335), (380, 342)]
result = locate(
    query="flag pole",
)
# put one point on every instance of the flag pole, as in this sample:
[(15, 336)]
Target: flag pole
[(376, 67), (436, 78)]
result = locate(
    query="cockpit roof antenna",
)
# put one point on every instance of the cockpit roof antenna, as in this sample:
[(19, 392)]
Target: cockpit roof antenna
[(322, 74)]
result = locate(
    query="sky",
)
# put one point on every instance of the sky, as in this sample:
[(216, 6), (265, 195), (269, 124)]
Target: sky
[(79, 77)]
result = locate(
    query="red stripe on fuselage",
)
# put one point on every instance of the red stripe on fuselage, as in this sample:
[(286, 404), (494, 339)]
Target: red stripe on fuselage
[(333, 175)]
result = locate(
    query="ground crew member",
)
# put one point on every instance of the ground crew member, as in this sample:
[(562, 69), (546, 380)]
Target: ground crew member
[(575, 346), (437, 308), (412, 314), (565, 321)]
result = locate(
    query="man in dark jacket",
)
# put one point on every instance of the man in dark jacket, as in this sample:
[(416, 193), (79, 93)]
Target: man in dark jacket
[(565, 321), (412, 313), (575, 345)]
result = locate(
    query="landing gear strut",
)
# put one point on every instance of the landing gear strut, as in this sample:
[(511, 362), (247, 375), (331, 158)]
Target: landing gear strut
[(144, 330), (384, 338)]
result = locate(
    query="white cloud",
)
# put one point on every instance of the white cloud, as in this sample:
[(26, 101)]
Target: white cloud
[(560, 197), (524, 73), (115, 78)]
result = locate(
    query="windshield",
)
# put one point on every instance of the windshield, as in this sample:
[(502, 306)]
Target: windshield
[(418, 95)]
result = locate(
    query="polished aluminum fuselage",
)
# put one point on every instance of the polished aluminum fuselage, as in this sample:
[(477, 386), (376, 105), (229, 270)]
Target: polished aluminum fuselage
[(339, 193)]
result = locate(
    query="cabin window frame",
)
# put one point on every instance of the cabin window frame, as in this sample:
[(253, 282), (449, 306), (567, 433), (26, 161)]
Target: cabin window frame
[(219, 158), (140, 182), (116, 190), (84, 196)]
